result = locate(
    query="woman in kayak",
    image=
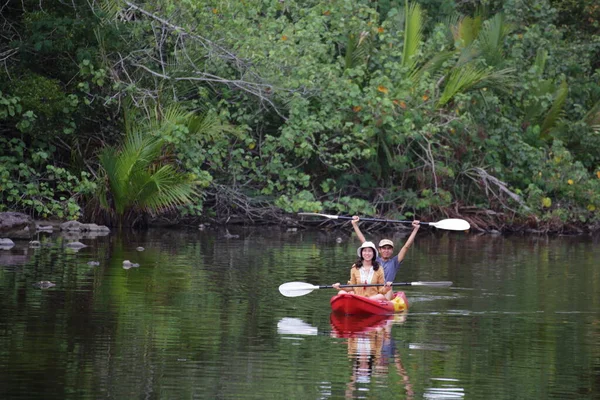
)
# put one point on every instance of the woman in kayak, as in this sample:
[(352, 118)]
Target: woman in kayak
[(368, 271)]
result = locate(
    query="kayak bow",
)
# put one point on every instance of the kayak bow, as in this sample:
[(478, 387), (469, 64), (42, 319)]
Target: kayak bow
[(351, 304)]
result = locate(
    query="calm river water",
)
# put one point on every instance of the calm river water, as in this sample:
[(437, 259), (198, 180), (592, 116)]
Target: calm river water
[(202, 318)]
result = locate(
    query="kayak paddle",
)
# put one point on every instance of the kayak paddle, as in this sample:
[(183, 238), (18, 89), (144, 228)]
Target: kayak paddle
[(295, 289), (451, 224)]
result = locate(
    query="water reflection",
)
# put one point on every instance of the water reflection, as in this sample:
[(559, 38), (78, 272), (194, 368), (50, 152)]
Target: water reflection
[(444, 389), (371, 349), (295, 326), (202, 318)]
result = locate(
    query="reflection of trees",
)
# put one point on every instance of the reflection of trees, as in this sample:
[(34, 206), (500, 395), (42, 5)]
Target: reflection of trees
[(198, 304)]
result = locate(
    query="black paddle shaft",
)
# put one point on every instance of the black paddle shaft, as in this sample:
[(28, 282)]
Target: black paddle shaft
[(367, 285), (383, 220)]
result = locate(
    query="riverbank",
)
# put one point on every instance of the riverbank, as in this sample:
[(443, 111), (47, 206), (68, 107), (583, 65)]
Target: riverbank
[(481, 221), (24, 227)]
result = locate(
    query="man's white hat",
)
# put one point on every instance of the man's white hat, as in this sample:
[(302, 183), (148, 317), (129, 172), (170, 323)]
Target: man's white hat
[(386, 242)]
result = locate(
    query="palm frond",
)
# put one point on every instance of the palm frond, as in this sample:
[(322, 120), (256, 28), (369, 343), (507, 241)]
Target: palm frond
[(465, 31), (450, 22), (166, 188), (472, 77), (108, 160), (432, 65), (491, 39), (541, 57), (467, 55), (555, 111), (592, 117), (208, 125), (460, 80), (540, 91), (358, 49), (111, 8), (174, 114), (413, 34), (500, 80)]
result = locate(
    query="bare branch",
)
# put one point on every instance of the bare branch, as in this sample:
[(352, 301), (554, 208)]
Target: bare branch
[(153, 60), (257, 89), (480, 176), (209, 45)]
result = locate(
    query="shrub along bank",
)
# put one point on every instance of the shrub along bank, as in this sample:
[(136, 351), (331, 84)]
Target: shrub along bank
[(118, 111)]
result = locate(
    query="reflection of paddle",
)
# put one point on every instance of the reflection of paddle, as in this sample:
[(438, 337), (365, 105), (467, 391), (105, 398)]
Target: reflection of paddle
[(295, 326), (451, 224), (295, 289), (342, 325)]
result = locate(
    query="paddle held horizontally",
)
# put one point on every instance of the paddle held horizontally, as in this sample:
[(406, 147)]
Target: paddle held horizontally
[(295, 289), (451, 224)]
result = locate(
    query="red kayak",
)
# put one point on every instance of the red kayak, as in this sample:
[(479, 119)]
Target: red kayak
[(348, 303)]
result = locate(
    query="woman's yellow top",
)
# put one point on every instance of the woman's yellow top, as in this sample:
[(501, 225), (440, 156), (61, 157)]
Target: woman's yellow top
[(377, 277)]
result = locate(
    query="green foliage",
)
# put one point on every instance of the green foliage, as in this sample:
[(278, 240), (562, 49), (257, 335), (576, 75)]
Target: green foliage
[(42, 96), (9, 106), (303, 201), (578, 16), (349, 106), (29, 183), (561, 183)]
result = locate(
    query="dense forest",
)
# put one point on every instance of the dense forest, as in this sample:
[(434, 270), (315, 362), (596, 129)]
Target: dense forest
[(126, 112)]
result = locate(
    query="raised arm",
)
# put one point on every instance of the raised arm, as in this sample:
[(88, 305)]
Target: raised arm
[(361, 237), (409, 242)]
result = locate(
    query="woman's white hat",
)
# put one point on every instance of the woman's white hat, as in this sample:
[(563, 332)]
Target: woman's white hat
[(364, 245)]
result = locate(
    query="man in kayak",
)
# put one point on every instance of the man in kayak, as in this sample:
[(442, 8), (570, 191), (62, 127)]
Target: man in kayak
[(386, 257)]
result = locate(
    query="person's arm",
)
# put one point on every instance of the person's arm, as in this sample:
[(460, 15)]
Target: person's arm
[(381, 281), (409, 242), (352, 281), (359, 234)]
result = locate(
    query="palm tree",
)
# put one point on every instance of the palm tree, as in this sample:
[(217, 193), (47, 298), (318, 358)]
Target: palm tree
[(592, 117), (480, 54), (141, 177), (536, 112)]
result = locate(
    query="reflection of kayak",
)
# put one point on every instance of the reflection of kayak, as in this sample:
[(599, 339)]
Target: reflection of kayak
[(348, 303), (350, 325)]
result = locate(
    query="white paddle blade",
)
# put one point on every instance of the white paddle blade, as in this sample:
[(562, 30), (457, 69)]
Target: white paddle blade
[(295, 289), (319, 215), (452, 224), (438, 284)]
